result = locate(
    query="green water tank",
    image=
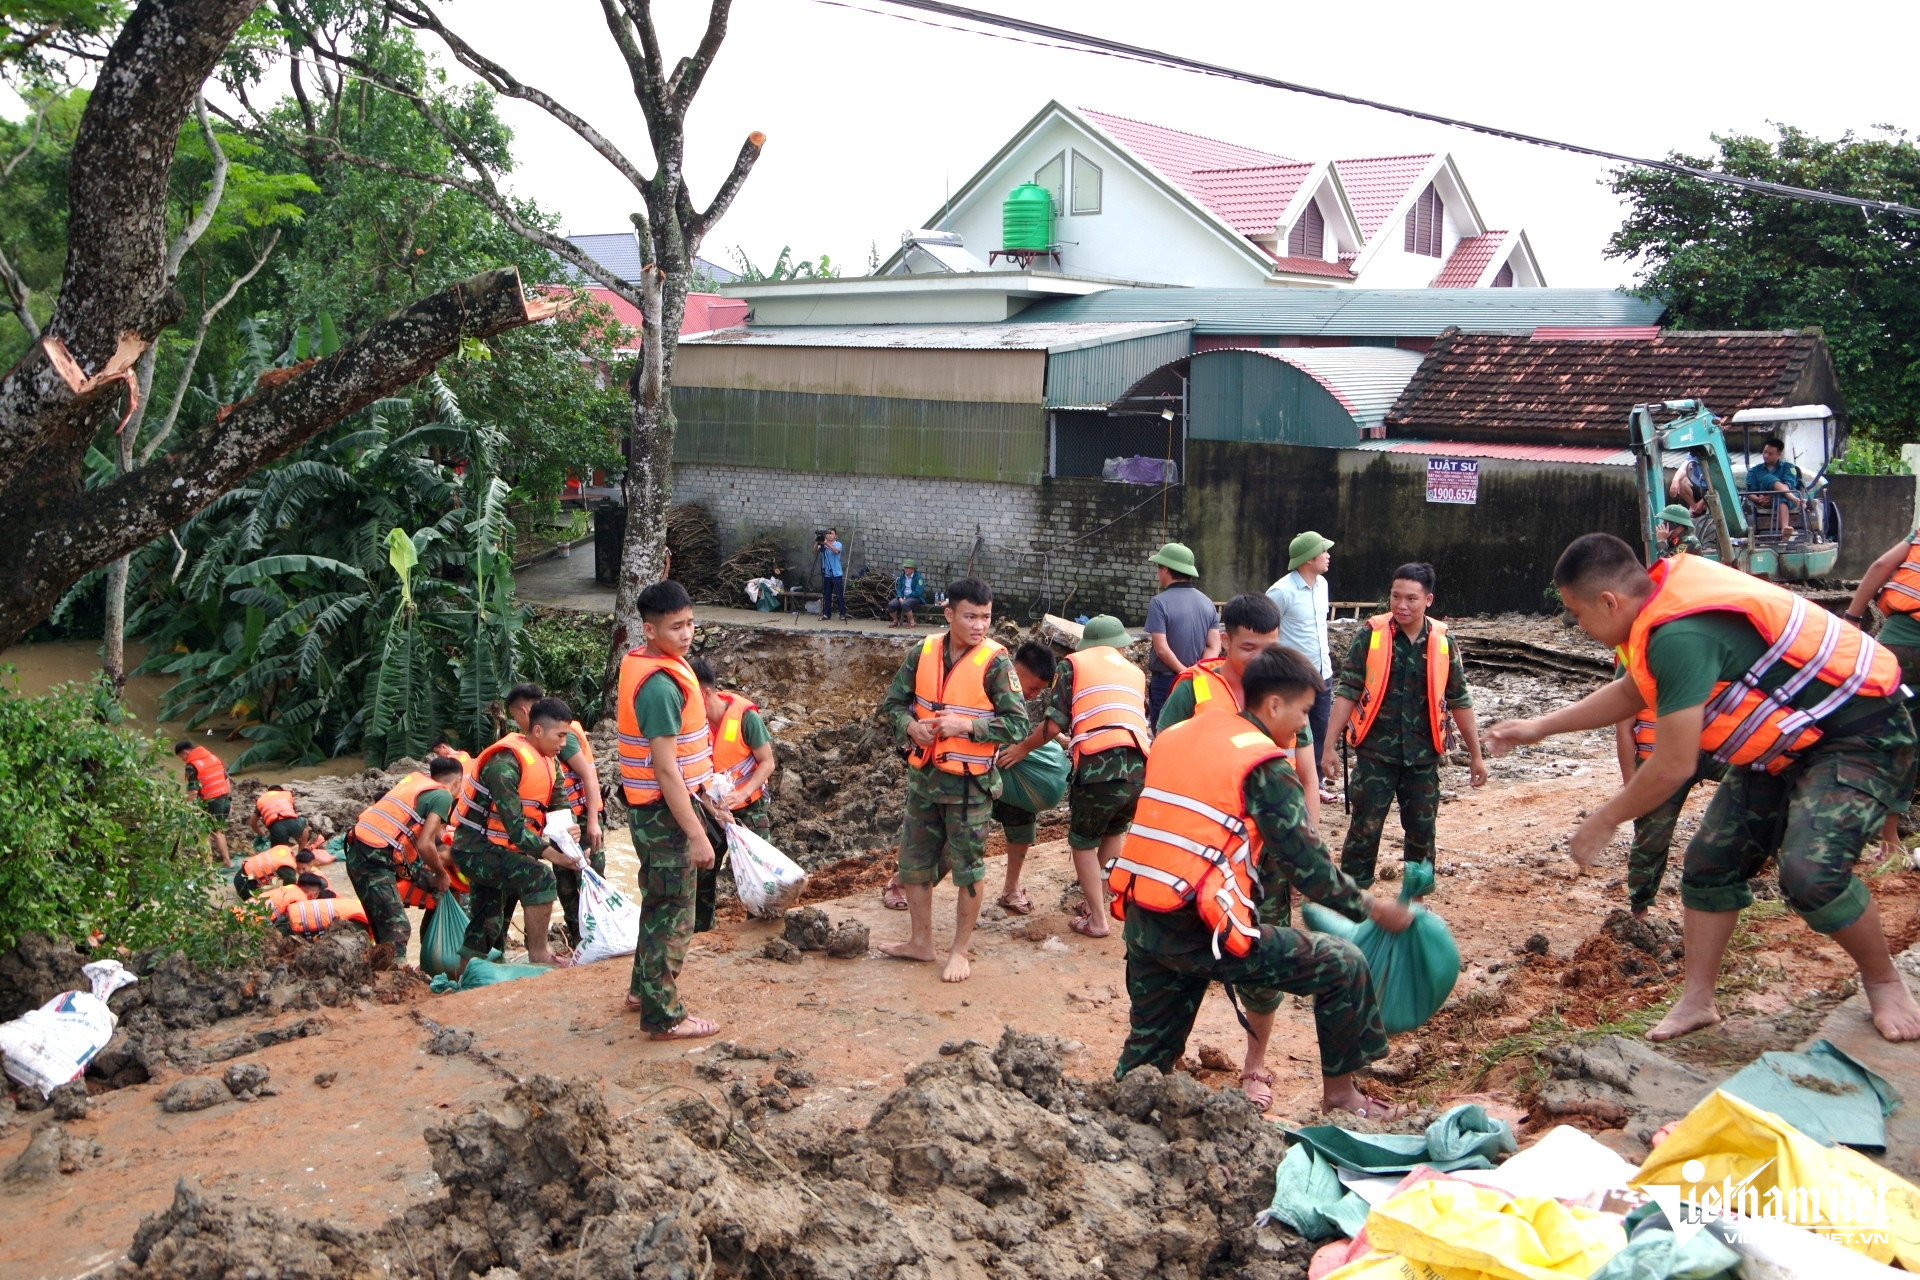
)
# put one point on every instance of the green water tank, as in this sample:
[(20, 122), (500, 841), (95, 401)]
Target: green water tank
[(1026, 220)]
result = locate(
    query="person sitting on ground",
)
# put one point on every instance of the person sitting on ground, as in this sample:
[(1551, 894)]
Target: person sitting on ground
[(666, 759), (500, 843), (1034, 667), (954, 703), (1774, 474), (1182, 624), (579, 784), (742, 751), (909, 594), (1673, 531), (400, 833), (208, 783), (1220, 782), (1892, 584), (1808, 782)]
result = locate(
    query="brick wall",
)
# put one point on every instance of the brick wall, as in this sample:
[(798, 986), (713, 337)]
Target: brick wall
[(1033, 543)]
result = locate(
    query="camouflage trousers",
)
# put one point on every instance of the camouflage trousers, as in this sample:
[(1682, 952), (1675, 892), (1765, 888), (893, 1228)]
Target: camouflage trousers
[(1166, 991), (1019, 825), (939, 837), (376, 884), (499, 877), (1815, 817), (1653, 837), (758, 817), (669, 885), (1909, 659), (1372, 788)]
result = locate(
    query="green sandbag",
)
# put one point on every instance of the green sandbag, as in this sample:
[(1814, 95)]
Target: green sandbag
[(1414, 970), (446, 933), (1309, 1196), (1038, 782), (487, 973), (1465, 1137)]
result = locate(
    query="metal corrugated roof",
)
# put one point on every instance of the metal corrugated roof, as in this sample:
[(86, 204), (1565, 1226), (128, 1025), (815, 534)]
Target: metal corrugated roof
[(1504, 452), (1365, 380), (1358, 313), (1017, 336)]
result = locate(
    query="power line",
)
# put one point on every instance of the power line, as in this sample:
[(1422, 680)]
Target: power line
[(1044, 36)]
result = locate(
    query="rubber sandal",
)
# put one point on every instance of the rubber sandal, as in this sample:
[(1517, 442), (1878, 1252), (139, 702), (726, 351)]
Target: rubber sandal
[(894, 897), (1083, 925), (688, 1028), (1017, 902), (1258, 1086), (633, 1004), (1374, 1109)]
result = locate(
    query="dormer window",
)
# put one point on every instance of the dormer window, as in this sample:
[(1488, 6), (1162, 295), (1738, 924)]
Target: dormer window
[(1503, 278), (1425, 223), (1086, 185), (1053, 176), (1308, 239)]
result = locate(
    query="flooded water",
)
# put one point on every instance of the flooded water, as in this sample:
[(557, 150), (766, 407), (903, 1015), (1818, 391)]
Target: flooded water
[(38, 667)]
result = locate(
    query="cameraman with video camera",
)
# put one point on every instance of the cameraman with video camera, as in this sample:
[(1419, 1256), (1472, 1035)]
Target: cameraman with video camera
[(833, 578)]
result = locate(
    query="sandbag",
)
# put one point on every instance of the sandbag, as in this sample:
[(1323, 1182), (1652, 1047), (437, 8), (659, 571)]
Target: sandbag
[(1038, 782), (1458, 1229), (767, 880), (1309, 1197), (487, 973), (49, 1046), (1465, 1137), (446, 934), (1413, 970), (609, 922)]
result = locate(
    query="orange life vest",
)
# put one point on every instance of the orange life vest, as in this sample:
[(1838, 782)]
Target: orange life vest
[(536, 791), (422, 895), (1902, 592), (1191, 842), (1380, 665), (1643, 737), (962, 690), (262, 866), (692, 746), (1742, 725), (394, 820), (209, 774), (572, 789), (275, 806), (280, 897), (317, 915), (732, 757), (1211, 692), (1109, 703)]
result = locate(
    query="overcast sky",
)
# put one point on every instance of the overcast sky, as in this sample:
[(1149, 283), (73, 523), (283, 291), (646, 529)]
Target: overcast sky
[(870, 119)]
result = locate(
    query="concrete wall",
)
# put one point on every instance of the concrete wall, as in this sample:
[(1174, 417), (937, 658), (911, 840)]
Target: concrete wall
[(1245, 502), (1875, 513), (1021, 538)]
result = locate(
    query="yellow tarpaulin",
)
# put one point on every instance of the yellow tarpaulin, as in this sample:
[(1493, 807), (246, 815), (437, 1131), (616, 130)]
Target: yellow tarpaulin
[(1446, 1230), (1768, 1168)]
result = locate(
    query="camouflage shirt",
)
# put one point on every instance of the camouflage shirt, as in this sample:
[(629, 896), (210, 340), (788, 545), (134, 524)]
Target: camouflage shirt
[(1291, 857), (1403, 731), (1112, 765), (1007, 725), (501, 777)]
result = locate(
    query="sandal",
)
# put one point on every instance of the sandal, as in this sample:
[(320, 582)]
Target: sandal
[(894, 896), (688, 1028), (1083, 925), (1017, 902), (1258, 1086), (1374, 1109), (633, 1004)]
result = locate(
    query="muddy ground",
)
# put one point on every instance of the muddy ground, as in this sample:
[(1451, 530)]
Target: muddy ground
[(530, 1126)]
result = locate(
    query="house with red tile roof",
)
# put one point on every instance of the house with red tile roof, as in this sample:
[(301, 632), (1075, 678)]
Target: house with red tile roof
[(1141, 202)]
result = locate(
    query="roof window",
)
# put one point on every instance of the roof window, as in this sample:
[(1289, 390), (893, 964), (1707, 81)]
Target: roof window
[(1425, 223), (1308, 239)]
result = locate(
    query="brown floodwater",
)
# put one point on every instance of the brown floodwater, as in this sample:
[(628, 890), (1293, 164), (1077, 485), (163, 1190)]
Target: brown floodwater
[(38, 667)]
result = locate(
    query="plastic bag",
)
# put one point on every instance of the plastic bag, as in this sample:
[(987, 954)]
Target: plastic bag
[(487, 973), (51, 1045), (767, 880), (1455, 1228), (1309, 1197), (609, 923), (1038, 782), (1465, 1137), (1414, 970), (446, 934)]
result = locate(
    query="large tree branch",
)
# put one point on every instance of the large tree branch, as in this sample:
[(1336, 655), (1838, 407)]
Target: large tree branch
[(619, 27), (695, 228), (20, 295), (216, 189), (692, 70), (61, 532)]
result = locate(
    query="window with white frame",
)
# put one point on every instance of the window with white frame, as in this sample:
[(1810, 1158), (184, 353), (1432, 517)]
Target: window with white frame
[(1308, 239), (1053, 176), (1086, 185), (1426, 222)]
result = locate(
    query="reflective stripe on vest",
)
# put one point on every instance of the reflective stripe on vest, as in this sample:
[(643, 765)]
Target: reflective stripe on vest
[(1380, 668), (262, 865), (1742, 724), (692, 746), (1109, 703), (572, 790), (209, 773), (275, 806), (1211, 691), (1902, 592), (1191, 842), (393, 821), (317, 915), (1643, 737), (963, 690), (536, 791), (732, 757)]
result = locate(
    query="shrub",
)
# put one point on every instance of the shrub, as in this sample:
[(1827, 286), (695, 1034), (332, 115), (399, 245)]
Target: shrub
[(102, 843), (566, 653)]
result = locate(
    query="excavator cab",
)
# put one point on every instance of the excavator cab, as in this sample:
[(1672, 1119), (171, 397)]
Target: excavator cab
[(1790, 536)]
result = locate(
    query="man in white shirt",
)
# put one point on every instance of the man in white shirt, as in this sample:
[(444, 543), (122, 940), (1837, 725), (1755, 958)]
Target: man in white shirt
[(1301, 597)]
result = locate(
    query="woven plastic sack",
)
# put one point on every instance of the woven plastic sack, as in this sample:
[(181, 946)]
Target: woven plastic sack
[(446, 934), (609, 922), (767, 880), (1414, 970), (48, 1046), (1038, 782)]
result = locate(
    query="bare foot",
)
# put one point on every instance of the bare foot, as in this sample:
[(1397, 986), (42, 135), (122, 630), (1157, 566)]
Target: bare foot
[(1682, 1020), (1893, 849), (907, 951), (1895, 1016), (687, 1029), (958, 969), (1639, 913)]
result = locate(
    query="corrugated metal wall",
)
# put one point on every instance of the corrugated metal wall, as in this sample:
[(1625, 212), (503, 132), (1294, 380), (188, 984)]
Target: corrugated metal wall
[(1253, 398), (1100, 375), (1015, 377), (866, 435)]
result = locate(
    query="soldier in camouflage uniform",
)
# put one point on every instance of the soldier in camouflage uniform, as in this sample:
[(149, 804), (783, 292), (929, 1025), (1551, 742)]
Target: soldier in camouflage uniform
[(1170, 954), (1687, 631), (1652, 831), (945, 829), (1674, 531), (1034, 667), (375, 869), (1397, 759)]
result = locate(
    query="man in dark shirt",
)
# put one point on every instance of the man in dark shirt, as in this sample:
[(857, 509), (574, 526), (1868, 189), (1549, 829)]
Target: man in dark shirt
[(1182, 624)]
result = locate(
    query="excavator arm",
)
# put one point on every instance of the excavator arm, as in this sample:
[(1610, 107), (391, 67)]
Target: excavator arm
[(1697, 434)]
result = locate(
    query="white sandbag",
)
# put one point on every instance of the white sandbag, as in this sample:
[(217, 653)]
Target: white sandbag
[(48, 1046), (609, 923), (768, 880), (560, 827)]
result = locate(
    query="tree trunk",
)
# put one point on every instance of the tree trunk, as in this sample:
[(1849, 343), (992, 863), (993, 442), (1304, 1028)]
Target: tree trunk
[(113, 655)]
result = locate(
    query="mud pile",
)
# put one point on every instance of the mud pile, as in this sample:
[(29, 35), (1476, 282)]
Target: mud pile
[(985, 1162)]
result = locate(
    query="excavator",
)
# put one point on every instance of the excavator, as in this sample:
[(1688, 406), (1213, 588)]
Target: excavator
[(1740, 528)]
